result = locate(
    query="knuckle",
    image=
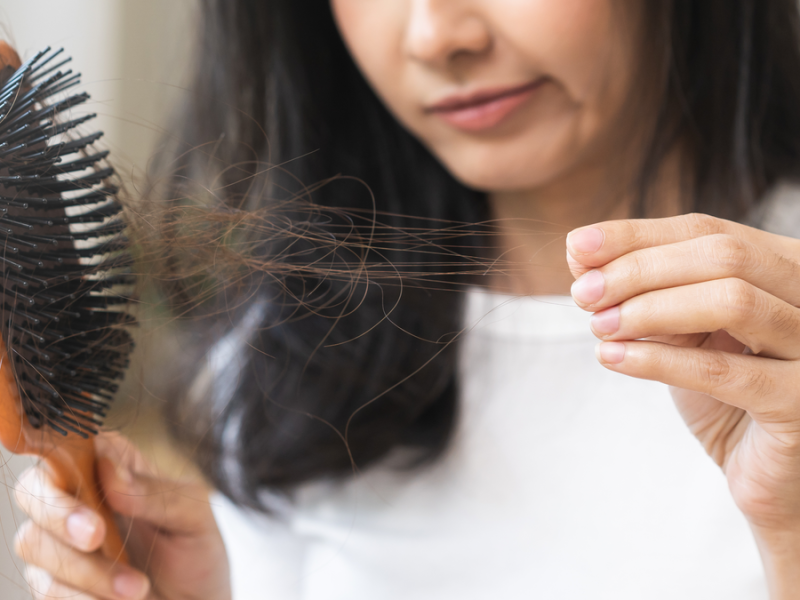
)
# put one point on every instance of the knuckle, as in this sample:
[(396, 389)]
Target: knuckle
[(726, 252), (635, 266), (788, 265), (739, 298), (783, 320), (723, 377), (699, 225), (753, 382), (716, 371), (789, 268), (632, 233)]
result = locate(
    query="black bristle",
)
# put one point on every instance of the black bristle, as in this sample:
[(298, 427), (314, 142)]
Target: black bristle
[(36, 71), (9, 264), (65, 269)]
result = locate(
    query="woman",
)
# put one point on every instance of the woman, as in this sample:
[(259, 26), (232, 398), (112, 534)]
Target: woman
[(558, 479)]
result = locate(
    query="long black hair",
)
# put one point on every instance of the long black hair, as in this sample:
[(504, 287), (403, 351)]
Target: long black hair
[(299, 377)]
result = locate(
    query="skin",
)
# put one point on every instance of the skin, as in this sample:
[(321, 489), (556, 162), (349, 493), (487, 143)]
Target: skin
[(171, 536), (562, 162)]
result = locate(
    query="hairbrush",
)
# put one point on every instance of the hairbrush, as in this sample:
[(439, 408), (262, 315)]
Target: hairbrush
[(66, 277)]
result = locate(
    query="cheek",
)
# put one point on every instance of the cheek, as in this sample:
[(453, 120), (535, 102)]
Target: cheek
[(373, 33), (582, 44), (587, 49)]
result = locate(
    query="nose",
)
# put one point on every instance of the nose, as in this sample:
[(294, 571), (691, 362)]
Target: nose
[(439, 31)]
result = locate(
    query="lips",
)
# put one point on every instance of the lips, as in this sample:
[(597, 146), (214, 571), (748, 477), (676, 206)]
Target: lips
[(485, 109)]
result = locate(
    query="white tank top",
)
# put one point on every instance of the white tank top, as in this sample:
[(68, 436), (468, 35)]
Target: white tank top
[(563, 481)]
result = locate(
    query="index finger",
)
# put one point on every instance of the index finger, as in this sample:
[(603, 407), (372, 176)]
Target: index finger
[(597, 245)]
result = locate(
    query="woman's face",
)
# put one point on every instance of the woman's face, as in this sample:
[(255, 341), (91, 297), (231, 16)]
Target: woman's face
[(509, 94)]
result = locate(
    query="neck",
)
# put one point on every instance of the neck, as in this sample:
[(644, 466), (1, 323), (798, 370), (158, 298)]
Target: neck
[(533, 225)]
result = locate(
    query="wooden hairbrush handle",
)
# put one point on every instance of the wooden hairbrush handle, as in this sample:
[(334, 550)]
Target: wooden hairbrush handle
[(72, 464), (70, 460)]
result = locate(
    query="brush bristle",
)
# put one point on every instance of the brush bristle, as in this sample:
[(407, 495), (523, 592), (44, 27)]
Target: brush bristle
[(63, 252)]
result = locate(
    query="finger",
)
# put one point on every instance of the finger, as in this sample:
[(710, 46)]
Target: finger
[(135, 489), (92, 574), (762, 386), (597, 245), (42, 587), (121, 451), (693, 261), (765, 324), (57, 512), (39, 581), (62, 592), (174, 506)]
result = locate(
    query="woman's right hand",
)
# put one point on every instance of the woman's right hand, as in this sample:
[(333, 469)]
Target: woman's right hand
[(175, 547)]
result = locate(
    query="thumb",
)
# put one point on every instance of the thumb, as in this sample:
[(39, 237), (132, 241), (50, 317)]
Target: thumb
[(174, 507)]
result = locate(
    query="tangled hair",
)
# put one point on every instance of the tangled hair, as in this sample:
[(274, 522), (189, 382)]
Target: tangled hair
[(321, 323)]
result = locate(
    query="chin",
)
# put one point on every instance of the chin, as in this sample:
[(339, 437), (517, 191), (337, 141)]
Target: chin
[(524, 162), (498, 175)]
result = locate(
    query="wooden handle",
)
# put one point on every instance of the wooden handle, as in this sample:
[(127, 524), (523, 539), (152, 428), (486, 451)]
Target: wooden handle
[(72, 464)]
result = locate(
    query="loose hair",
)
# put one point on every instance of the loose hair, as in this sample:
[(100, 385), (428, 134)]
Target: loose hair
[(304, 364)]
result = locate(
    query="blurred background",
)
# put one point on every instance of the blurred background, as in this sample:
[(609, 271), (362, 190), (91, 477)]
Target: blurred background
[(134, 56)]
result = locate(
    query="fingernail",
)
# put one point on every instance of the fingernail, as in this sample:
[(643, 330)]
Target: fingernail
[(611, 353), (586, 241), (130, 585), (81, 526), (606, 321), (589, 289)]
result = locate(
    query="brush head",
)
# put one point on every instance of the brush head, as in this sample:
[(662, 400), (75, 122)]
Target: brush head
[(64, 266)]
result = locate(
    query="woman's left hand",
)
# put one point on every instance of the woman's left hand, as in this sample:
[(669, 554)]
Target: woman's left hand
[(710, 307)]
